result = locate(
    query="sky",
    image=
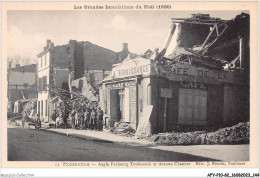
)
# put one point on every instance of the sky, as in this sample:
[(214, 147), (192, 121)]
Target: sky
[(142, 30)]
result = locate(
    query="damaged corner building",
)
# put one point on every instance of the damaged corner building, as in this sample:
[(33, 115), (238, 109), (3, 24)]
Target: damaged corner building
[(203, 83)]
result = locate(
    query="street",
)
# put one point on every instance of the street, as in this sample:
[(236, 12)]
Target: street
[(32, 145)]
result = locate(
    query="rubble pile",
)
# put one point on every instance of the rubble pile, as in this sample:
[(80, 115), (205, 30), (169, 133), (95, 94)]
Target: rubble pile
[(195, 60), (31, 105), (230, 135), (123, 129), (237, 134)]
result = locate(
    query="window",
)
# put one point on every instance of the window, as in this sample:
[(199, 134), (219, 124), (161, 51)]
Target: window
[(40, 85), (44, 83), (42, 108), (192, 107), (46, 108), (45, 59)]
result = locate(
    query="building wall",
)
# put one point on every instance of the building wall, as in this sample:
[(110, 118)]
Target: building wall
[(159, 105), (60, 76), (78, 60), (98, 58), (21, 79), (43, 94), (215, 105), (236, 104), (62, 56)]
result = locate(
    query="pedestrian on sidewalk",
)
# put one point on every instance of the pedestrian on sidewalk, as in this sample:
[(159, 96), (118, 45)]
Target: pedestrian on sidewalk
[(54, 115), (100, 119), (76, 119), (59, 119), (93, 119), (24, 118), (72, 117), (87, 117), (38, 124), (82, 119), (65, 118)]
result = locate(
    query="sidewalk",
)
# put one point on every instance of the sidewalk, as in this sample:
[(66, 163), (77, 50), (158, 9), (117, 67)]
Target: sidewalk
[(99, 136)]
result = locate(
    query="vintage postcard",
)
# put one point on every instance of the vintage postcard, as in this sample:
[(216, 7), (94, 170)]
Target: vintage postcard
[(129, 85)]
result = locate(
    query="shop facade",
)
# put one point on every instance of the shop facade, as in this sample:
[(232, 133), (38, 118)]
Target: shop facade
[(187, 98)]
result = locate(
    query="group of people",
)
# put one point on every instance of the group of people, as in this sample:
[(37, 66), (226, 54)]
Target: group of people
[(86, 116)]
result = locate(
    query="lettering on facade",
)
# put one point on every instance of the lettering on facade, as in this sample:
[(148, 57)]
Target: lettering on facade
[(192, 71), (195, 85), (131, 71), (120, 85), (180, 71), (222, 76)]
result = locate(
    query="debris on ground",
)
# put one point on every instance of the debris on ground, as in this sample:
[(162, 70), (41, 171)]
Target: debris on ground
[(237, 134), (123, 129), (32, 104)]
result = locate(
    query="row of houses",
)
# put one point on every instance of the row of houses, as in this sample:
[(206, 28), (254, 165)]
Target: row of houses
[(54, 65)]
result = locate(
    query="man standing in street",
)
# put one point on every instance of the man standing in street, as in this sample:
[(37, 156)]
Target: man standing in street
[(82, 119), (24, 118), (93, 119), (87, 117), (100, 119), (54, 116)]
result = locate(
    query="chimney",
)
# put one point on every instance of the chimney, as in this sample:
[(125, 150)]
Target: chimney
[(125, 47), (17, 65), (48, 44), (51, 45)]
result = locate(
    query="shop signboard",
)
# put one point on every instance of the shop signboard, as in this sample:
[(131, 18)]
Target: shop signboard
[(166, 92), (132, 68), (221, 76)]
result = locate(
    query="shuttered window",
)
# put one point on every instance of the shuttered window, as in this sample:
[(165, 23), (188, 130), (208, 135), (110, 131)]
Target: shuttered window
[(40, 85), (192, 107), (44, 83)]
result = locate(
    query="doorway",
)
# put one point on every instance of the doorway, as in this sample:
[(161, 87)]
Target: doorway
[(124, 107)]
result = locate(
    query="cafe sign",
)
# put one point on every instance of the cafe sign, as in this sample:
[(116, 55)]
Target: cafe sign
[(132, 68), (182, 70)]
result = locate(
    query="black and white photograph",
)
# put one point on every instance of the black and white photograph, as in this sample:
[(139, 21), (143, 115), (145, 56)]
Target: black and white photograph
[(128, 85)]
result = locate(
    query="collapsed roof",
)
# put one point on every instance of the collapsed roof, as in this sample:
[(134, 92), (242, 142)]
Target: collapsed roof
[(202, 41), (211, 42)]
